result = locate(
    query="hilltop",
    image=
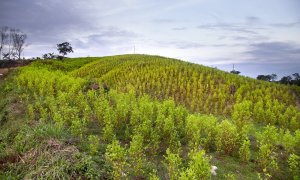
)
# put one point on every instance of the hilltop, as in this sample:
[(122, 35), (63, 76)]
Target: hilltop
[(145, 117)]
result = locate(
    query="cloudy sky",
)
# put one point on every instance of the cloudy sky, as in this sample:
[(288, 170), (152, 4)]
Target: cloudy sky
[(258, 36)]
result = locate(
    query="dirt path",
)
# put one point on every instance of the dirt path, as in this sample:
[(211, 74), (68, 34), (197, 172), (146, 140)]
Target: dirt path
[(4, 72), (296, 99)]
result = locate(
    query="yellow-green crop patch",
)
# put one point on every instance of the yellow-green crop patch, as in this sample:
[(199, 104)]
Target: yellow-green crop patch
[(157, 118)]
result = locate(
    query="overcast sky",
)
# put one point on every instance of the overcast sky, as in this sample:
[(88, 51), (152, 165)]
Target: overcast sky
[(258, 36)]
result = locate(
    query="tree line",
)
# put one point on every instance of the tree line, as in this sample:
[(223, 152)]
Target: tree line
[(63, 49), (293, 79), (13, 42)]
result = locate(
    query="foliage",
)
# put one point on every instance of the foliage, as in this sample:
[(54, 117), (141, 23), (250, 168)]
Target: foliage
[(244, 151), (93, 144), (200, 89), (227, 138), (294, 164), (271, 77), (116, 155), (173, 164), (242, 115), (198, 168), (136, 153), (158, 117), (64, 48), (49, 56)]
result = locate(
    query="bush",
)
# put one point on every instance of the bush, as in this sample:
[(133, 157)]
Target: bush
[(116, 156), (227, 138), (173, 164), (244, 151), (242, 114), (198, 168), (93, 144), (294, 164)]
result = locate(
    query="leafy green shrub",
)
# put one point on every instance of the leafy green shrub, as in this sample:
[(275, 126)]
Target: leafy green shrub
[(201, 131), (173, 163), (93, 144), (267, 159), (198, 168), (137, 156), (244, 151), (242, 114), (116, 156), (227, 138), (294, 164), (269, 135)]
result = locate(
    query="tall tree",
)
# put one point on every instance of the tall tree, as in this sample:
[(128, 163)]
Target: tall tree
[(264, 77), (19, 39), (10, 52), (64, 48), (273, 77), (296, 80), (296, 76), (3, 38), (286, 80)]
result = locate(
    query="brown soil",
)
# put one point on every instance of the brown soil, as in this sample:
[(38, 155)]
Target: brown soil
[(4, 72), (7, 66), (8, 160), (296, 100)]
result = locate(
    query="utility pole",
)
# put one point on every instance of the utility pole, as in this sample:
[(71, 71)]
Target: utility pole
[(133, 49), (232, 67)]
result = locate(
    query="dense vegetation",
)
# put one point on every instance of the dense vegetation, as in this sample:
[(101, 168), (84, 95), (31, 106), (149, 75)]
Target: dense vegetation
[(161, 119)]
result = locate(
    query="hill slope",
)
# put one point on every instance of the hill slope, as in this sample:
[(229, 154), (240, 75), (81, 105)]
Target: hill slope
[(170, 119), (199, 88)]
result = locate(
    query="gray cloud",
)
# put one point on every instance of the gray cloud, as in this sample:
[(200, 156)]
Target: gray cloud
[(274, 52), (163, 20), (180, 44), (179, 28), (249, 38), (113, 32), (48, 23), (241, 28), (252, 20), (194, 45), (287, 25), (99, 27), (187, 45), (251, 26)]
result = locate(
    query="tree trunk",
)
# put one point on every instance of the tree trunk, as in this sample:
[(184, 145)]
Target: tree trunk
[(19, 54), (0, 53)]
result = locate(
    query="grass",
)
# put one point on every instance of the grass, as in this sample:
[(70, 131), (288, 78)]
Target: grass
[(231, 165)]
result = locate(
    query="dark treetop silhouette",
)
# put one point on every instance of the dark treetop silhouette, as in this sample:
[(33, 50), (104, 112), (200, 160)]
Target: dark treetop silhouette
[(64, 48)]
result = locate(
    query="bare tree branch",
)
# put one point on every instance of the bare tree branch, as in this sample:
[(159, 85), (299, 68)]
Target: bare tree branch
[(18, 39), (3, 38)]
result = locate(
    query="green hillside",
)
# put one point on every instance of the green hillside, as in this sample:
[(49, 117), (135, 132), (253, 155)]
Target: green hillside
[(161, 119), (199, 88)]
